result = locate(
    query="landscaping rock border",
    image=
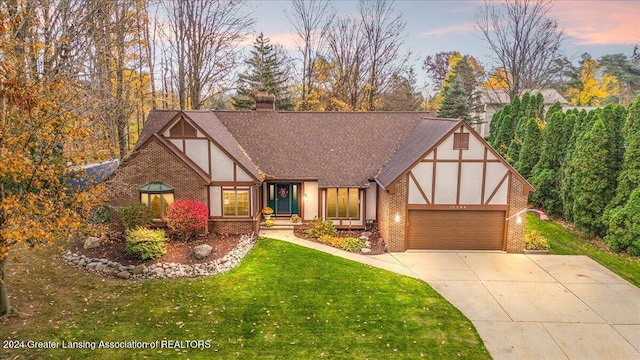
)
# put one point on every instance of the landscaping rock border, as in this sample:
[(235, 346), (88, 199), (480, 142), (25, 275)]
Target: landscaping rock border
[(159, 270)]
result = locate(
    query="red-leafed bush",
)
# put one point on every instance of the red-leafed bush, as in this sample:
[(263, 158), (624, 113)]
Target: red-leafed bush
[(187, 217)]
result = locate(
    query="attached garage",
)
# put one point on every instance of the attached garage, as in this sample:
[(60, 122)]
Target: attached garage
[(456, 229)]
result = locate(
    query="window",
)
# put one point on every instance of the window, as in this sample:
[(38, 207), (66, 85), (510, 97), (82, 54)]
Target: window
[(157, 196), (461, 141), (235, 202), (343, 203)]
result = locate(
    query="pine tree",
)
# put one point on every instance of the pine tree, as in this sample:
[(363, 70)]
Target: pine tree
[(455, 103), (267, 72), (592, 187)]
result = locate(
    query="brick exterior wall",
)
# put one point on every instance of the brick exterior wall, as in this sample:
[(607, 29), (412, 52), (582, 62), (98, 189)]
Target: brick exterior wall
[(394, 202), (517, 202), (231, 226), (155, 162)]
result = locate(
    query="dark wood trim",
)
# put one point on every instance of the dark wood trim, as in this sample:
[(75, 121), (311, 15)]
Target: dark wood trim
[(415, 181), (459, 167), (232, 183), (484, 176), (463, 160), (458, 207), (433, 176), (495, 190), (209, 156)]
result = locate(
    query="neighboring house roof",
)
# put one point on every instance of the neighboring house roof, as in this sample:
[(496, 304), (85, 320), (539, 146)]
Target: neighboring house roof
[(426, 134), (501, 97), (93, 174), (339, 149)]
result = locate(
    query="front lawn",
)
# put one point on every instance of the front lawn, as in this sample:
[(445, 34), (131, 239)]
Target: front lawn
[(283, 301), (565, 242)]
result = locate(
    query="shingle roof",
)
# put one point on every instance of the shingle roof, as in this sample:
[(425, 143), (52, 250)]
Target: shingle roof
[(336, 148), (339, 149), (208, 123), (426, 134), (500, 96)]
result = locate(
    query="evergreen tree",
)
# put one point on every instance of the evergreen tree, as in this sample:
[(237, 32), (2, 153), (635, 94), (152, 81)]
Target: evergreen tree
[(580, 122), (499, 133), (455, 103), (266, 72), (531, 147), (624, 226), (592, 187), (546, 176), (629, 177), (513, 154)]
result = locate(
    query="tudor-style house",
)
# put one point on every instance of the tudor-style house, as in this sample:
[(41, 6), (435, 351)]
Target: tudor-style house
[(427, 183)]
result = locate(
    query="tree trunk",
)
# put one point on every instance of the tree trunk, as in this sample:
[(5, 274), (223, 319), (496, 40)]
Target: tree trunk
[(5, 307)]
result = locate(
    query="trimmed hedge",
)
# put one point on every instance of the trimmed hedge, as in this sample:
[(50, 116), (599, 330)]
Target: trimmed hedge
[(146, 243)]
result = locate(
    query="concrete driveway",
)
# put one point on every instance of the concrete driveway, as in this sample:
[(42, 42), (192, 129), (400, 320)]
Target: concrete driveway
[(524, 306), (537, 306)]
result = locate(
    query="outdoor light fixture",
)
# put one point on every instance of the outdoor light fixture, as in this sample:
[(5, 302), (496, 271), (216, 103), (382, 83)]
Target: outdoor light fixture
[(397, 217), (306, 197), (518, 215)]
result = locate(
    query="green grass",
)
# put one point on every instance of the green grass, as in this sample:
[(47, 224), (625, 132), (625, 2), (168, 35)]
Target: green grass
[(565, 242), (283, 301)]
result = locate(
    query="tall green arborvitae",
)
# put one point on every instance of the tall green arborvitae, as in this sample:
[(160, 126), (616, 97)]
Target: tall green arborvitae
[(579, 124), (513, 154), (266, 72), (624, 226), (546, 176), (494, 125), (592, 188), (504, 134), (623, 214), (531, 147)]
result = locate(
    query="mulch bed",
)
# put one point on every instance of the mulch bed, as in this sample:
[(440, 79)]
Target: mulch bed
[(377, 242), (178, 251)]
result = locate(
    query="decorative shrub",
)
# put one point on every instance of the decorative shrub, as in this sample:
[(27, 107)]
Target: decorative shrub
[(535, 241), (319, 227), (187, 217), (269, 223), (295, 218), (352, 245), (347, 244), (267, 211), (135, 215), (146, 243)]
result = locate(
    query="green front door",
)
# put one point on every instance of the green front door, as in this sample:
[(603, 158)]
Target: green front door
[(283, 198)]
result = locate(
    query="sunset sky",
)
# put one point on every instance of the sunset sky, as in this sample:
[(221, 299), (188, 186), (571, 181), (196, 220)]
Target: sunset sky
[(597, 27)]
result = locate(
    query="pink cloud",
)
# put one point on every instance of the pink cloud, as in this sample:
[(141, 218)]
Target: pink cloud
[(599, 22), (458, 28)]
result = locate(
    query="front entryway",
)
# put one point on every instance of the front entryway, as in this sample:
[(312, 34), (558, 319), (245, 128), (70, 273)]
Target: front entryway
[(283, 198)]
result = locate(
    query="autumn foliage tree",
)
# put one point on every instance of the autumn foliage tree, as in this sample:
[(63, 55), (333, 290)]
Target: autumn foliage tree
[(40, 142)]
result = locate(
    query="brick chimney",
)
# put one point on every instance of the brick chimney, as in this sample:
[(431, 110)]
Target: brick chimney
[(265, 101)]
